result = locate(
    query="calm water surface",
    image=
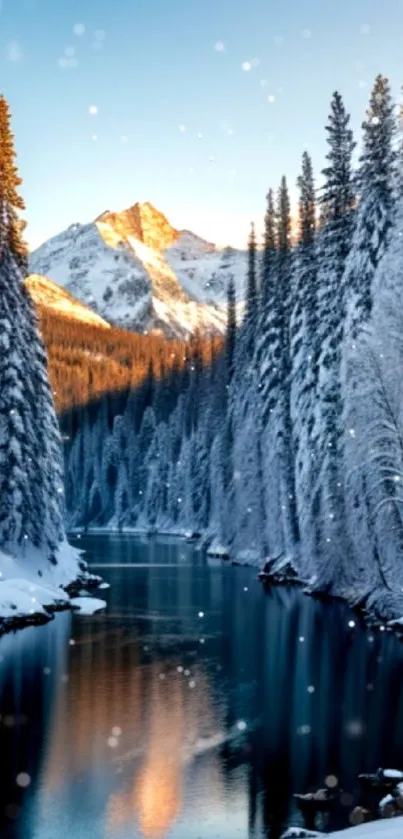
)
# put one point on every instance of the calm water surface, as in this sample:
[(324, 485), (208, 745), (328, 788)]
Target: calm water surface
[(193, 708)]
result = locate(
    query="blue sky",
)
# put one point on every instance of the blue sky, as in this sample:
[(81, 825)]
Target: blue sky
[(182, 89)]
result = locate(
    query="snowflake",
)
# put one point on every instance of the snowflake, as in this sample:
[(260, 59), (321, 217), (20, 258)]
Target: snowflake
[(246, 66), (182, 128), (116, 731), (219, 46), (365, 29), (304, 729), (271, 98), (93, 110), (23, 779), (79, 29), (14, 51), (306, 33), (355, 728)]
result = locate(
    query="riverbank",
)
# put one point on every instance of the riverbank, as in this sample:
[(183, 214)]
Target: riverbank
[(381, 607), (389, 829), (32, 589)]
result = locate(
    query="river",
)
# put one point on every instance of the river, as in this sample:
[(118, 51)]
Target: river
[(193, 707)]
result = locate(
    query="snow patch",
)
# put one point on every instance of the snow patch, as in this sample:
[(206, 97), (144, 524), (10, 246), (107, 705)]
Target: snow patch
[(384, 829), (31, 587), (87, 605)]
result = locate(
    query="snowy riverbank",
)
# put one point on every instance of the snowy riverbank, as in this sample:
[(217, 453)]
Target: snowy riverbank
[(381, 607), (389, 829), (32, 589)]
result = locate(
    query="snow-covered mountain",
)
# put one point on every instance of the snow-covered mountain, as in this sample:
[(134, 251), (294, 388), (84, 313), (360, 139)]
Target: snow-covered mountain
[(137, 271), (49, 296)]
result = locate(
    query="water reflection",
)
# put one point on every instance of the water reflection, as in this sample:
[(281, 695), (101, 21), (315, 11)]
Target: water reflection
[(194, 707)]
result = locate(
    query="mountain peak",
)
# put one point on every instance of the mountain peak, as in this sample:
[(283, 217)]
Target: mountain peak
[(143, 222)]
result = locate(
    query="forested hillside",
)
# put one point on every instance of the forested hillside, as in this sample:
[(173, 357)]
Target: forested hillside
[(87, 361), (290, 443)]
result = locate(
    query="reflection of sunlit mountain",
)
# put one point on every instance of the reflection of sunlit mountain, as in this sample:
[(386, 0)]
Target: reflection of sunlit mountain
[(177, 720), (154, 796), (130, 732)]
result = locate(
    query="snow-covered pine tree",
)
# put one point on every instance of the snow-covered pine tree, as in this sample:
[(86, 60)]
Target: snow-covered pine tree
[(374, 468), (31, 490), (230, 337), (374, 217), (269, 248), (284, 308), (304, 350), (248, 328), (266, 363), (243, 426), (334, 241), (272, 362)]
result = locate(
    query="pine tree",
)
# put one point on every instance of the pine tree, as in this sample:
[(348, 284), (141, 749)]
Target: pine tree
[(376, 180), (273, 368), (375, 216), (269, 248), (31, 489), (373, 464), (284, 309), (248, 328), (251, 286), (230, 339), (11, 226), (304, 348), (334, 241)]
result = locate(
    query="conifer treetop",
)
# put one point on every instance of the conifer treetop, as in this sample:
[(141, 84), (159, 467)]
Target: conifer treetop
[(11, 202)]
